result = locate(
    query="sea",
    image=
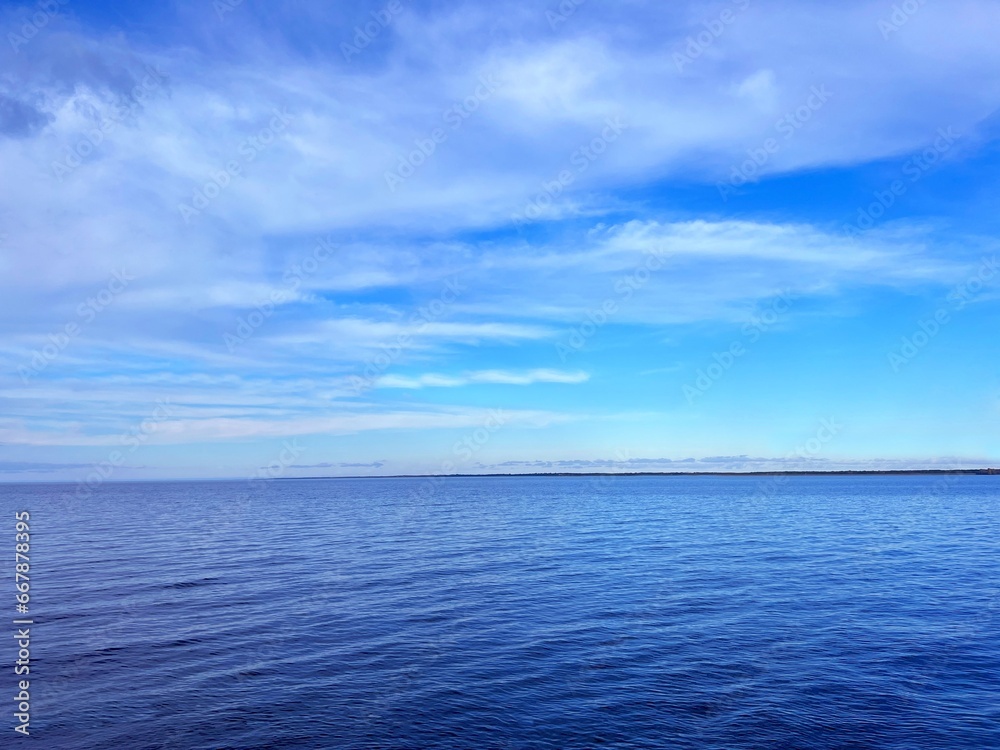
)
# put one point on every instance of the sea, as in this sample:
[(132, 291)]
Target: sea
[(546, 613)]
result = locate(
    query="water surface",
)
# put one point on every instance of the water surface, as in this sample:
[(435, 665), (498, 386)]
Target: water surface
[(622, 612)]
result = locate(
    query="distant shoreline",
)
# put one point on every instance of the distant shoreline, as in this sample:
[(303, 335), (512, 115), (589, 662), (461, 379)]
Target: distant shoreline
[(845, 472)]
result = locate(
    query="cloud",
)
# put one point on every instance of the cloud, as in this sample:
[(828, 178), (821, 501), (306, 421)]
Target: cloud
[(20, 119), (208, 429), (330, 465), (760, 88), (34, 467), (741, 464), (499, 377)]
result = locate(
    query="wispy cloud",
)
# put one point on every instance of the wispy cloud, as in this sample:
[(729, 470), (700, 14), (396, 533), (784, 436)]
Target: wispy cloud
[(215, 429), (34, 467), (498, 377)]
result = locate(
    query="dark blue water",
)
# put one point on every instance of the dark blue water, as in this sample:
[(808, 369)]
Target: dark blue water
[(629, 612)]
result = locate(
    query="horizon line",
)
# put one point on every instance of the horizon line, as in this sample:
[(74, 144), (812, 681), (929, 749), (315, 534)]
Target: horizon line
[(984, 471)]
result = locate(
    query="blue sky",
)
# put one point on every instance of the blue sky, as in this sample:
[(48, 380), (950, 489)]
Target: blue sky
[(320, 239)]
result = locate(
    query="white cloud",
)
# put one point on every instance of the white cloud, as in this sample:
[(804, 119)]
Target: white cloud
[(175, 431), (759, 88), (501, 377)]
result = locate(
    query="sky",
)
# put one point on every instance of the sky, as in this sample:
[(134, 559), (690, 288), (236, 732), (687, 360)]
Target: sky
[(245, 239)]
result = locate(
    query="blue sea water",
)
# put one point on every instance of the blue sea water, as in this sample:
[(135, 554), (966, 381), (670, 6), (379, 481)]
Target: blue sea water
[(532, 612)]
